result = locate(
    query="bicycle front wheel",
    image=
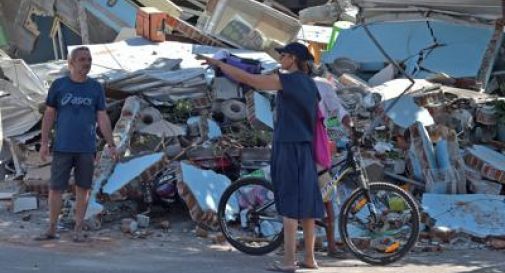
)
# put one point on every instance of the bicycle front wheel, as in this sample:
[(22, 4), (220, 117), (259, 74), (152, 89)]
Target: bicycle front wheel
[(248, 217), (382, 228)]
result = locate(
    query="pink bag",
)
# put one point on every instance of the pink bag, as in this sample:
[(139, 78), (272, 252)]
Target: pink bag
[(321, 143)]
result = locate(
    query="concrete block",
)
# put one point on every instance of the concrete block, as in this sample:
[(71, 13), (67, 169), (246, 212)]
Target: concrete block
[(24, 202), (225, 89), (129, 225), (142, 220)]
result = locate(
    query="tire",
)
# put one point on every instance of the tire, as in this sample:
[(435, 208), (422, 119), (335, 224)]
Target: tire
[(231, 220), (400, 208), (234, 110)]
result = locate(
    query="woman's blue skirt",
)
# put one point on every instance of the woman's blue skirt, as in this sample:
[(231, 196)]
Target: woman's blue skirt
[(294, 177)]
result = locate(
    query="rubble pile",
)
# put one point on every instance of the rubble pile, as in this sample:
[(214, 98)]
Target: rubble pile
[(185, 132)]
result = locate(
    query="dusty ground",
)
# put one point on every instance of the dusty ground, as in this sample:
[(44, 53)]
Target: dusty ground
[(21, 228), (178, 249)]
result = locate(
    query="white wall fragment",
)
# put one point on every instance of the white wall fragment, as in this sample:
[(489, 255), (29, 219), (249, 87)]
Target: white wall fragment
[(480, 215)]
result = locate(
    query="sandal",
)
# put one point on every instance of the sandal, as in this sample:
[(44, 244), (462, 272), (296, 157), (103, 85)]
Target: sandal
[(306, 266), (339, 254), (47, 237), (277, 267), (79, 238)]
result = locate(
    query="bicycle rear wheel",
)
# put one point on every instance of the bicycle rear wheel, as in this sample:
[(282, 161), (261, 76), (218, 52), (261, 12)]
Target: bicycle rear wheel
[(248, 217), (381, 230)]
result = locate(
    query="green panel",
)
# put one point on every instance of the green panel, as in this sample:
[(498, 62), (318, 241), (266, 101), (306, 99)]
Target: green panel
[(3, 37)]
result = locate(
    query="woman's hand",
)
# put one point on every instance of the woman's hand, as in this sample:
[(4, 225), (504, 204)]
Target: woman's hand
[(261, 82), (208, 60)]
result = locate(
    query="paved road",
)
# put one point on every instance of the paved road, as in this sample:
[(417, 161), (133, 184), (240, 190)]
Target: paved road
[(195, 256)]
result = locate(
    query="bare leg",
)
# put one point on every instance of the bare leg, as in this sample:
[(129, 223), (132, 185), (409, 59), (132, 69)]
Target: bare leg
[(309, 240), (330, 227), (81, 203), (54, 210), (290, 226)]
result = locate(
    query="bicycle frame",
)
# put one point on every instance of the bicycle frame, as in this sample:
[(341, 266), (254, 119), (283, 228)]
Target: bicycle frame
[(351, 166), (348, 166)]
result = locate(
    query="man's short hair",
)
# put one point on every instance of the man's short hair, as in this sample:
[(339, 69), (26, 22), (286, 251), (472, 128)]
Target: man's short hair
[(74, 51)]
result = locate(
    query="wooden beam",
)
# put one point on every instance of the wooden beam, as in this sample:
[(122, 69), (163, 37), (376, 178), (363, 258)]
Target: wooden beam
[(490, 56), (83, 23)]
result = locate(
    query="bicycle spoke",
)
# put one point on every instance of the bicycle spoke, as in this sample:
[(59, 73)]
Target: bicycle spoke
[(382, 229), (253, 225)]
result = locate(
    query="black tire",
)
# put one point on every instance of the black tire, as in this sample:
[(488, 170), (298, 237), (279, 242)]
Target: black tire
[(362, 247), (226, 226)]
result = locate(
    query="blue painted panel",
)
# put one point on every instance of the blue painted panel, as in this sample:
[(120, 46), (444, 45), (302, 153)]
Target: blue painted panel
[(400, 40), (43, 49), (442, 154), (70, 38), (465, 50), (263, 111), (460, 57), (123, 9), (124, 13)]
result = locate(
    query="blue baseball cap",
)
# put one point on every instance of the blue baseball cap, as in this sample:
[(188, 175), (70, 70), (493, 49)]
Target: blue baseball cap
[(298, 50)]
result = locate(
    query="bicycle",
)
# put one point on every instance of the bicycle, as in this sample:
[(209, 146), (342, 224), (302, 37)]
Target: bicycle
[(381, 234)]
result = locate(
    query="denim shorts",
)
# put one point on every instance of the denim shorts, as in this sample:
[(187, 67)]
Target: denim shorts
[(62, 165)]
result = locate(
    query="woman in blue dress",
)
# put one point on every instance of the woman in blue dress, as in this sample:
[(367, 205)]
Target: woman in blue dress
[(293, 168)]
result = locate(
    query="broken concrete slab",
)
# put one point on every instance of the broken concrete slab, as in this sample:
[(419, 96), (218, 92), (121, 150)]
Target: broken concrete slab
[(122, 132), (259, 112), (490, 163), (405, 112), (479, 215), (126, 172), (201, 190)]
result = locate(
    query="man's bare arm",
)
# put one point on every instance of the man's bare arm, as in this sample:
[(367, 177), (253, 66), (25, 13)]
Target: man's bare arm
[(105, 127), (47, 125)]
